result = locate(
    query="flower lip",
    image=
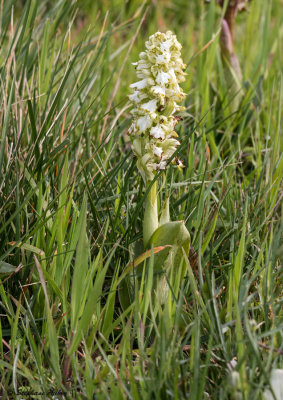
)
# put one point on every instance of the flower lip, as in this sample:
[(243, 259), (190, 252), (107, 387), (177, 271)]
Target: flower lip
[(140, 84), (149, 106), (163, 58), (158, 90), (144, 123), (157, 151), (135, 97), (162, 78), (157, 132), (165, 46), (162, 165)]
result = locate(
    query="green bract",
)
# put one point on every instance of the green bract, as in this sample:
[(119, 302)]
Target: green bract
[(154, 98)]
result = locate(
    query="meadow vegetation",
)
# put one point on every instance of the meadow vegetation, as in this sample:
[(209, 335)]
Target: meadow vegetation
[(72, 201)]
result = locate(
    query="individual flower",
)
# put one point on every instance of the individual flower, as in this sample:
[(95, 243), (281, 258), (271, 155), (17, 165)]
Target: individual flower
[(154, 98)]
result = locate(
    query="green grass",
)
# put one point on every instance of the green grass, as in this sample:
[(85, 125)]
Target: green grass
[(71, 206)]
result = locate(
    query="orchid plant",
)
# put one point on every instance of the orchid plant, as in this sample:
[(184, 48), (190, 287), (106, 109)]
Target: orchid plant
[(155, 97)]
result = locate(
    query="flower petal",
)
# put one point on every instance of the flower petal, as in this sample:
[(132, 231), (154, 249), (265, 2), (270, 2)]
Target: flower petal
[(134, 97), (140, 84), (162, 78), (144, 123), (150, 106), (157, 132)]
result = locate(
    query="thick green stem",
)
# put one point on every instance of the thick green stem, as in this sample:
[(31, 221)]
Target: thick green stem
[(150, 222)]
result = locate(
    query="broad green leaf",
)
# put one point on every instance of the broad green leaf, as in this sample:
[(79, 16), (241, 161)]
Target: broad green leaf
[(174, 234), (168, 243)]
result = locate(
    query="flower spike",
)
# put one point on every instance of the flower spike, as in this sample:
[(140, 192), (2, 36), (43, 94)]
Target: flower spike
[(154, 99)]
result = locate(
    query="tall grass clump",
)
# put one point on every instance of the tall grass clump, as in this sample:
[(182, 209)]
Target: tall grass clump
[(87, 307)]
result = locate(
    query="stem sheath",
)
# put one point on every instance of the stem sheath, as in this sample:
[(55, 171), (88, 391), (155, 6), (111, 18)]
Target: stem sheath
[(150, 222)]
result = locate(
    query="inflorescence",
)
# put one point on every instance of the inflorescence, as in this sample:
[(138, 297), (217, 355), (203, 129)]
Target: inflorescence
[(154, 100)]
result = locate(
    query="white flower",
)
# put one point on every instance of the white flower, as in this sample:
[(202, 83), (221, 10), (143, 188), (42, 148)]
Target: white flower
[(157, 151), (158, 90), (142, 65), (165, 46), (173, 78), (144, 123), (163, 58), (150, 106), (140, 84), (157, 132), (154, 99), (162, 78), (162, 165), (135, 97), (143, 71)]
